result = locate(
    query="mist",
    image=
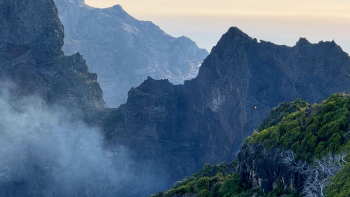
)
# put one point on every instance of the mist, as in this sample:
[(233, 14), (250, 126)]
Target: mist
[(44, 152)]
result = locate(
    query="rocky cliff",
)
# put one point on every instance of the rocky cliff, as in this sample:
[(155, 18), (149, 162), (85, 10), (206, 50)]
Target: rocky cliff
[(123, 51), (31, 58), (266, 169), (207, 118), (35, 146), (22, 24)]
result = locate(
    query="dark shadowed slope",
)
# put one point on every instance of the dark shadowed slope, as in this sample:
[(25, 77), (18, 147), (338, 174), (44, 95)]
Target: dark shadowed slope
[(123, 51)]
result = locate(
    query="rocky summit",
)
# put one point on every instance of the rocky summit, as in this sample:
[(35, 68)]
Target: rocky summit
[(123, 51), (207, 118)]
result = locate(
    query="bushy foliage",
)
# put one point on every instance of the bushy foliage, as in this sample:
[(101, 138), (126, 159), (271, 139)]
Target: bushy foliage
[(203, 183), (225, 183), (311, 132), (277, 113), (340, 183), (211, 170), (277, 192), (205, 193), (159, 194)]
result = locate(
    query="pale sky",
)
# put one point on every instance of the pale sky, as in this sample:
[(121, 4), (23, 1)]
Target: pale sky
[(278, 21)]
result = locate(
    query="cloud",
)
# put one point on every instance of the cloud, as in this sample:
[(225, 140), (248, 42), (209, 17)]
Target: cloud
[(45, 153)]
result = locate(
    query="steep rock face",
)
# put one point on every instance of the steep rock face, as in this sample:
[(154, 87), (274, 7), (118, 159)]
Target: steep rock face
[(243, 79), (31, 58), (124, 51), (22, 24), (267, 169), (207, 118)]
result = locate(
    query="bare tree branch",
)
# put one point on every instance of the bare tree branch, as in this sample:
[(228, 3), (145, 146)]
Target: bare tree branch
[(317, 176)]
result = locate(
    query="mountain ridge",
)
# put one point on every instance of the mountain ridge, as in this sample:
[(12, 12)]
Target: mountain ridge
[(179, 126), (123, 51), (206, 119)]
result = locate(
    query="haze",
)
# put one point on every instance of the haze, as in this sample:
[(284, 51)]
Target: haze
[(281, 22)]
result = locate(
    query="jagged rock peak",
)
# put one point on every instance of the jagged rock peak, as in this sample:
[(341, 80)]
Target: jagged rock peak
[(33, 23), (117, 6), (234, 37), (152, 82), (236, 33), (302, 41), (117, 10), (234, 30)]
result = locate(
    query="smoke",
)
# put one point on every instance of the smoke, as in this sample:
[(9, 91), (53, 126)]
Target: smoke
[(43, 152)]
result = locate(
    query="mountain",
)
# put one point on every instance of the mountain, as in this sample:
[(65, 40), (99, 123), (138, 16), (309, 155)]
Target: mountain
[(179, 127), (123, 51), (206, 119), (31, 58), (51, 106), (46, 148)]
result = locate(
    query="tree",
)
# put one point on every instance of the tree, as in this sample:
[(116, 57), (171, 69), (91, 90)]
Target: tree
[(317, 176)]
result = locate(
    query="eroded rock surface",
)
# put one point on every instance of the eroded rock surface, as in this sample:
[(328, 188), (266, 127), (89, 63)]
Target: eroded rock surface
[(266, 169), (22, 24)]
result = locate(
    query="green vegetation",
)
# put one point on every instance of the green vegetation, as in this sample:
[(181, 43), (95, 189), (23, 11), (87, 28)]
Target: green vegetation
[(277, 113), (219, 180), (340, 184), (310, 132)]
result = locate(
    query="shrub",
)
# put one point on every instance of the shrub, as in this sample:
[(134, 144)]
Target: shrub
[(183, 189), (170, 193), (205, 193), (203, 183), (160, 194), (309, 131), (178, 184)]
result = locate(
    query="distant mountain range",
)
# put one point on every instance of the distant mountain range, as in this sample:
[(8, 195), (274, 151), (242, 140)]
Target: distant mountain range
[(123, 51)]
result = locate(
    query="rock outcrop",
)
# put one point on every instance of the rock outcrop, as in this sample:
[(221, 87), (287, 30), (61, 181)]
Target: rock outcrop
[(31, 58), (22, 24), (267, 169), (123, 51)]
